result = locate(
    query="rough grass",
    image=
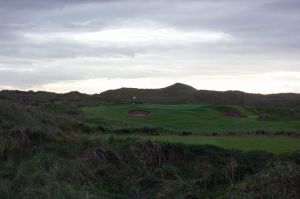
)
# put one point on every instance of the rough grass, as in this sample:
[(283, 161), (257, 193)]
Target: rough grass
[(195, 118), (78, 166)]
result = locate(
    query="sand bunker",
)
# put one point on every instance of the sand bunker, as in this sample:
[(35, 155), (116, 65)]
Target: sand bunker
[(235, 114), (138, 112)]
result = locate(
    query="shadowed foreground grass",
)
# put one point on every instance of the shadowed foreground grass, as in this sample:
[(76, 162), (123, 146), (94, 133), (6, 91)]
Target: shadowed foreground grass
[(47, 165)]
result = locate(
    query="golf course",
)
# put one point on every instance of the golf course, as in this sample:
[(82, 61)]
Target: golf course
[(194, 118), (187, 123), (174, 142)]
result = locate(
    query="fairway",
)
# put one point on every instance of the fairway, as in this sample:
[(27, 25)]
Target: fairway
[(276, 145), (195, 118)]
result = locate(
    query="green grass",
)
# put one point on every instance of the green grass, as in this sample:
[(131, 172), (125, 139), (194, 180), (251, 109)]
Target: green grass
[(276, 145), (195, 118), (201, 118)]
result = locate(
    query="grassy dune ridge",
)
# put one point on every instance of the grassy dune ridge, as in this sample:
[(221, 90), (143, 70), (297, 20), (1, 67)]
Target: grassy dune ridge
[(184, 94)]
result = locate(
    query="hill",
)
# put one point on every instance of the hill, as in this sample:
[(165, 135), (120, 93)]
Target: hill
[(183, 94), (174, 94)]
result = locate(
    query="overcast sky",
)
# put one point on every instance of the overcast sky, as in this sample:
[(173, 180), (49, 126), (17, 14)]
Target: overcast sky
[(94, 45)]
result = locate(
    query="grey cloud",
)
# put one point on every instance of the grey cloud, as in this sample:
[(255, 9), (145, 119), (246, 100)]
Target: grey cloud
[(267, 27)]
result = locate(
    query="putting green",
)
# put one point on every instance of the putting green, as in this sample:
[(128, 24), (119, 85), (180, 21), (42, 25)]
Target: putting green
[(195, 118)]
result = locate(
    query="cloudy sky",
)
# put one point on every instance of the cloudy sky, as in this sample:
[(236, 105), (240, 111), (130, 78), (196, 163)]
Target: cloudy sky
[(95, 45)]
